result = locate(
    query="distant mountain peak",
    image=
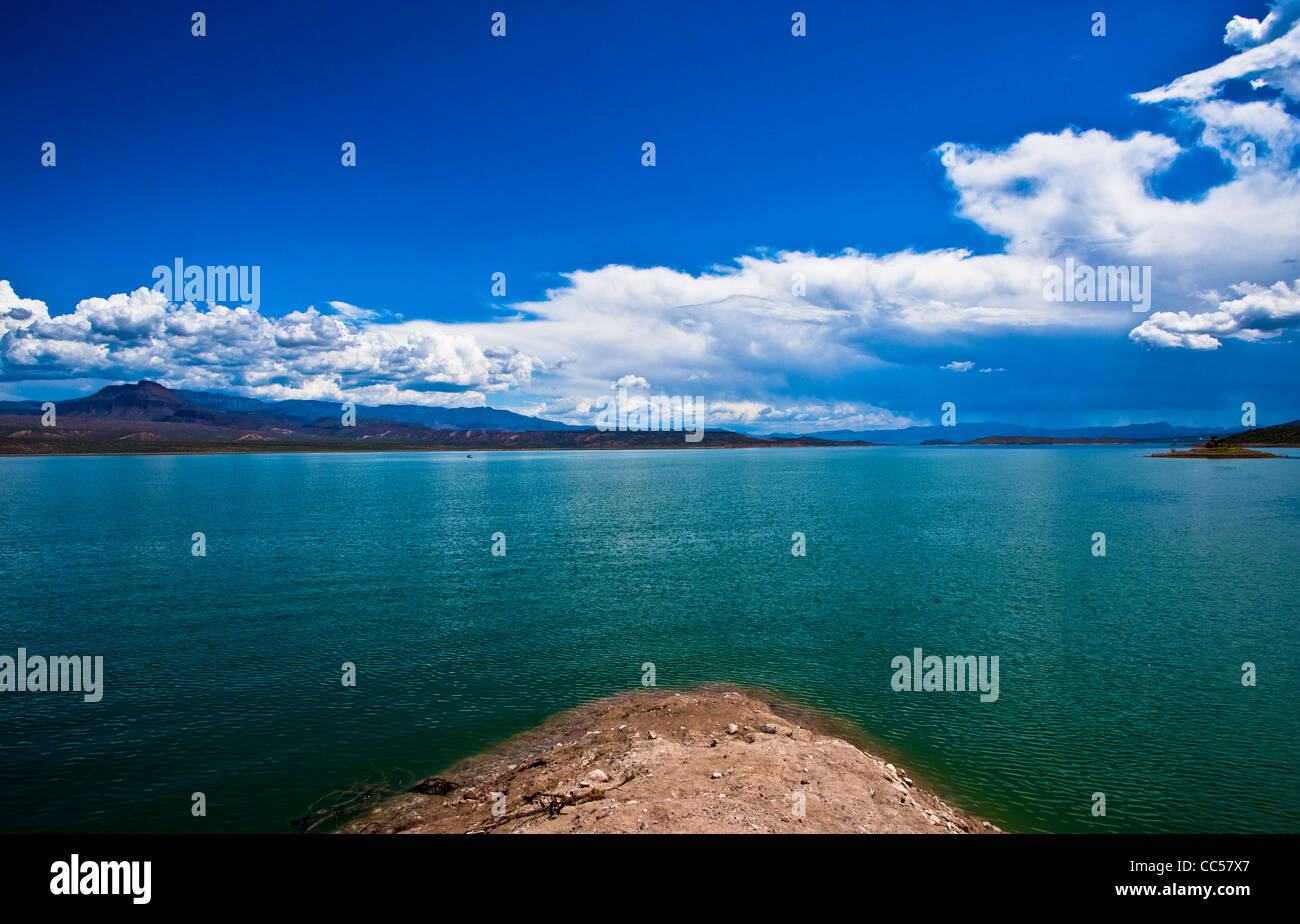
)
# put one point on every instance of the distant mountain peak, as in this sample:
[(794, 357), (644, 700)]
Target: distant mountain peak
[(143, 400), (142, 387)]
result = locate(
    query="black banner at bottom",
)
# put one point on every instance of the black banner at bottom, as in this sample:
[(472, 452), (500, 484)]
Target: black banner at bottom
[(334, 873)]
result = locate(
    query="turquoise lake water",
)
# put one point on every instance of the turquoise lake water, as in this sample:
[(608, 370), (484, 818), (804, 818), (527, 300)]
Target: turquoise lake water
[(1118, 674)]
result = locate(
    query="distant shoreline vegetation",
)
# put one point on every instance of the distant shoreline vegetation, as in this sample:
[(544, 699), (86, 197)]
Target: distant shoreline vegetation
[(1235, 447)]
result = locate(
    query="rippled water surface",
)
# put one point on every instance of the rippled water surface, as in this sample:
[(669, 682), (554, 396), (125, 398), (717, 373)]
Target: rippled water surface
[(1119, 674)]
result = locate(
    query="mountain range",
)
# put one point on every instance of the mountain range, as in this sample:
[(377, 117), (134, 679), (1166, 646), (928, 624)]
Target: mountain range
[(435, 418), (144, 400), (149, 417)]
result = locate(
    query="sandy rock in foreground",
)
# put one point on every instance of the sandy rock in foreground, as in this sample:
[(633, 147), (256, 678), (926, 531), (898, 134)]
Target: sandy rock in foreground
[(659, 762)]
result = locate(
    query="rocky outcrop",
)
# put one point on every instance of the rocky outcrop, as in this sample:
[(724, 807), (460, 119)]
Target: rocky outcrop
[(653, 762)]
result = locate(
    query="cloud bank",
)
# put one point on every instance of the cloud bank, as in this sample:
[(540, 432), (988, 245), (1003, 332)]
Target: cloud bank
[(305, 354)]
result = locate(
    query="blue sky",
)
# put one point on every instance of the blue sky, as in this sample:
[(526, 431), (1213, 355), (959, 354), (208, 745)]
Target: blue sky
[(522, 154)]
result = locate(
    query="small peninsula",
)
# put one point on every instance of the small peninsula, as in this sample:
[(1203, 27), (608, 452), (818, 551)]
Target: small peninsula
[(711, 760), (1236, 446)]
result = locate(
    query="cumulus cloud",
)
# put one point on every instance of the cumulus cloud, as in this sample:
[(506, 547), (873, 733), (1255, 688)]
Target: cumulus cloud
[(1254, 215), (305, 354), (735, 333), (743, 330), (1257, 313), (1046, 191), (1089, 195), (1267, 125), (955, 366), (1246, 33)]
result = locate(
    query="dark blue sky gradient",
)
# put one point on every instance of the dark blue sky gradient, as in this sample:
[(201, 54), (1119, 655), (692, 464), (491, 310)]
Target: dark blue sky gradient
[(477, 155)]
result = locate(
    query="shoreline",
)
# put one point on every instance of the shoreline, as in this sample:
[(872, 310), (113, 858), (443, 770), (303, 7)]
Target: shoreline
[(1216, 454), (371, 449), (712, 759), (333, 448)]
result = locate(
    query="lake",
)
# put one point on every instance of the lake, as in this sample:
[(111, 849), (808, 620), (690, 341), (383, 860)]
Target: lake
[(1119, 674)]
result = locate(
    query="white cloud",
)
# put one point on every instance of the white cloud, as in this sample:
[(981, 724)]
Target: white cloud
[(1257, 313), (1046, 191), (740, 330), (1089, 195), (955, 366), (1269, 55), (353, 312), (1246, 33), (302, 355), (1228, 125), (806, 416)]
